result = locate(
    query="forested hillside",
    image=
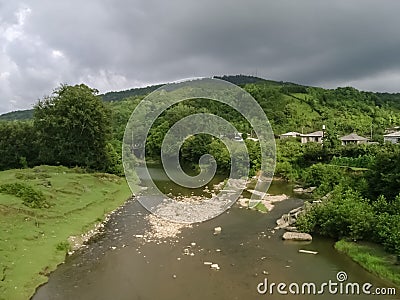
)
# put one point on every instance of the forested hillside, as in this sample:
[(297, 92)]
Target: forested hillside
[(17, 115), (288, 106)]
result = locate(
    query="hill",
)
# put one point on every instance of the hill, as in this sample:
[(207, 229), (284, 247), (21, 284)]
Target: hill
[(17, 115), (289, 106), (134, 92)]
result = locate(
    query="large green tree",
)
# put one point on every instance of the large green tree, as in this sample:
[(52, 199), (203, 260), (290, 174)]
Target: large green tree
[(18, 145), (73, 126)]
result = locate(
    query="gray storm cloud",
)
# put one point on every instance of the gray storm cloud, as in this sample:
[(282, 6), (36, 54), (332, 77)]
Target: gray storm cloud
[(112, 45)]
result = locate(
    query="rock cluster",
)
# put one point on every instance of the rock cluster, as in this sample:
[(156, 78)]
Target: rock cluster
[(78, 241), (300, 190), (297, 236), (267, 201), (197, 209), (162, 229), (287, 221)]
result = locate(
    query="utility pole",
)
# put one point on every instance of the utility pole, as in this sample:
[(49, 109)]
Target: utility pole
[(371, 132)]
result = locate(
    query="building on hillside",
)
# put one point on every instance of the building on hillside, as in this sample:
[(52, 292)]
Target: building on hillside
[(393, 137), (316, 137), (353, 138), (392, 129), (289, 134)]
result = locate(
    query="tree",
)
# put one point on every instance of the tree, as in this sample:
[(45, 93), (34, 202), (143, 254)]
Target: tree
[(73, 125), (384, 175), (18, 145)]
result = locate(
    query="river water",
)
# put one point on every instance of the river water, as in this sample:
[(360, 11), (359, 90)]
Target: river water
[(118, 265)]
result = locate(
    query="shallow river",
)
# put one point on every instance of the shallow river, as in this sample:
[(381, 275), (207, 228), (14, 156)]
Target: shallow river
[(118, 265)]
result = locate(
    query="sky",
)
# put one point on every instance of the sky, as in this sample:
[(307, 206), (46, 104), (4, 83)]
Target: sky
[(113, 45)]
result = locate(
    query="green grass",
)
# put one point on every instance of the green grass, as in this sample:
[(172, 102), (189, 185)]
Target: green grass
[(33, 240), (373, 258)]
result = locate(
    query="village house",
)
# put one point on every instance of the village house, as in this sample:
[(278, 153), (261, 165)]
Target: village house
[(393, 137), (353, 138), (316, 137), (289, 134)]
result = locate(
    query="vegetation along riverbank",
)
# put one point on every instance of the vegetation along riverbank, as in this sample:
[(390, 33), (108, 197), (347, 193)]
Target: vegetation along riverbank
[(39, 209), (373, 258)]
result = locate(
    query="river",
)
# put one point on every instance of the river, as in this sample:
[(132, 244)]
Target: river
[(118, 265)]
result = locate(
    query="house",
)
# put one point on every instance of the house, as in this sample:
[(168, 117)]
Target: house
[(353, 138), (393, 137), (289, 134), (312, 137), (392, 130)]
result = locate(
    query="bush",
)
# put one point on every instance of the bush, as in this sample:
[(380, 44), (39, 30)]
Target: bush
[(362, 161), (63, 246), (30, 197), (325, 177), (286, 171), (384, 175), (388, 232), (344, 214)]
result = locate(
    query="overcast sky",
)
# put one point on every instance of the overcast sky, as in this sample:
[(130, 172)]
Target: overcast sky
[(120, 44)]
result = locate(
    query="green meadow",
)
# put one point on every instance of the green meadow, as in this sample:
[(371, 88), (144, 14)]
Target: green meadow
[(33, 235)]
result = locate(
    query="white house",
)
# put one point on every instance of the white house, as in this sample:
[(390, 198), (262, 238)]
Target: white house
[(316, 137), (353, 138), (393, 137), (289, 134)]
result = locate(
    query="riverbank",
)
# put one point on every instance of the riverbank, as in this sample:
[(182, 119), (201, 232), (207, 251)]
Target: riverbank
[(33, 241), (373, 258)]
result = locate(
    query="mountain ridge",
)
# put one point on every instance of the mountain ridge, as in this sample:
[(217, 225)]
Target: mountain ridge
[(240, 79)]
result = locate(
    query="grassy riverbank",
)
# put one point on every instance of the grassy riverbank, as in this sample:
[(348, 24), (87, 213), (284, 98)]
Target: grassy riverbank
[(372, 258), (33, 240)]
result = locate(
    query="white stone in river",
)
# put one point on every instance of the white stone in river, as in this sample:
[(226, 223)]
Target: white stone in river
[(193, 244), (217, 230), (139, 235), (208, 263), (297, 236), (215, 267)]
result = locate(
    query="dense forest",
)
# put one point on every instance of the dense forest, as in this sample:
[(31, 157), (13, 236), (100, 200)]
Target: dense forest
[(75, 127)]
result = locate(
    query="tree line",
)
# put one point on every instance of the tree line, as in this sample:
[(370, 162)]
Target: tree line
[(72, 127)]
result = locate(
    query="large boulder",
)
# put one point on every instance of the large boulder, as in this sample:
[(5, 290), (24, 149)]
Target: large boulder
[(297, 236)]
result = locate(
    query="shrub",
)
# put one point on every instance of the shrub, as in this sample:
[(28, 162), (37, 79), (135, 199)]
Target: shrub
[(388, 231), (344, 214), (325, 177), (286, 170), (30, 197), (63, 246)]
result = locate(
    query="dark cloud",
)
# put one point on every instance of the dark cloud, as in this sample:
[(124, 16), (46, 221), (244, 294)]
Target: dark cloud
[(112, 45)]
